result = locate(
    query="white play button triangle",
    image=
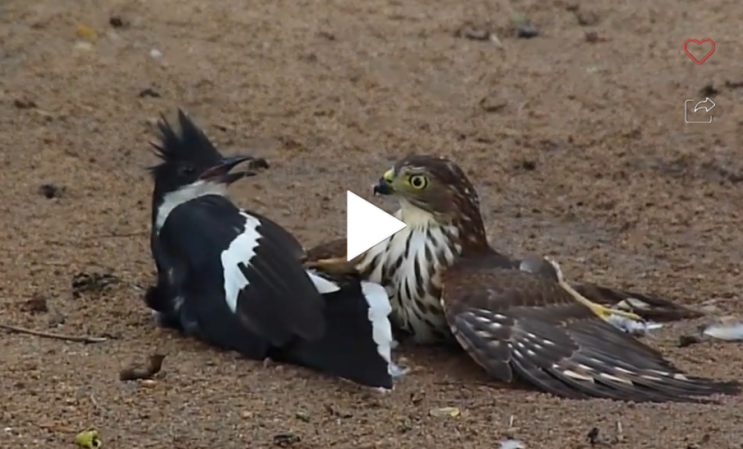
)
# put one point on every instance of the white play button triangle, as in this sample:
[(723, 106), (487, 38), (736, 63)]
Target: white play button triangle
[(367, 225)]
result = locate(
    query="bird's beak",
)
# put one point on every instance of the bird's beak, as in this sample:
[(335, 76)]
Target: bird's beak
[(221, 172), (384, 185)]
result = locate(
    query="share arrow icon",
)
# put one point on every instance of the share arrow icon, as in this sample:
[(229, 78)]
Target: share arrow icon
[(707, 105)]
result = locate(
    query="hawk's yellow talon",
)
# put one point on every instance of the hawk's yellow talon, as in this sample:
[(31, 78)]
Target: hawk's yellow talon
[(602, 312), (605, 312)]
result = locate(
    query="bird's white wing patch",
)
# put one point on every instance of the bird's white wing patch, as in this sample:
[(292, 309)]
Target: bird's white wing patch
[(322, 285), (240, 251), (379, 310)]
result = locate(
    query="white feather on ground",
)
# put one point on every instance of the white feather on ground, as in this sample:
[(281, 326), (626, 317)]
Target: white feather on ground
[(511, 444), (728, 328)]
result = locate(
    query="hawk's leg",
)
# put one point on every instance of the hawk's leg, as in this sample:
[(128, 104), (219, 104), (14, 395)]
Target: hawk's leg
[(602, 312)]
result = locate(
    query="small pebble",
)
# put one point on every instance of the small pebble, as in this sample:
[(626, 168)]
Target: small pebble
[(586, 18), (155, 54), (148, 92), (593, 436), (688, 340), (116, 21), (593, 37), (473, 33), (709, 309), (396, 371), (83, 46), (24, 103), (50, 191), (527, 31)]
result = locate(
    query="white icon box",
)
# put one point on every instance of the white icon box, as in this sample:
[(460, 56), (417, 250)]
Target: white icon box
[(698, 111)]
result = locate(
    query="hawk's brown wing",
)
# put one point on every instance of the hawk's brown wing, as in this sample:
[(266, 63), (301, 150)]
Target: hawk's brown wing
[(517, 324), (327, 250), (648, 307)]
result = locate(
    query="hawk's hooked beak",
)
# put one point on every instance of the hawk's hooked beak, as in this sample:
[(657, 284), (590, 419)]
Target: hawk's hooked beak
[(221, 172), (384, 185)]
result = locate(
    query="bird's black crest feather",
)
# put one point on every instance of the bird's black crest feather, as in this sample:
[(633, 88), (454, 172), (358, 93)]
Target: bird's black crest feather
[(189, 144)]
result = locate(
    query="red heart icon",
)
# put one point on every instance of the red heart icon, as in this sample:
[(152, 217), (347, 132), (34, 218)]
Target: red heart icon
[(699, 43)]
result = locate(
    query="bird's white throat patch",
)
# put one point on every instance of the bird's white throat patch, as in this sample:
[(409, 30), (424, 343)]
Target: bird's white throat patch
[(415, 217), (184, 194)]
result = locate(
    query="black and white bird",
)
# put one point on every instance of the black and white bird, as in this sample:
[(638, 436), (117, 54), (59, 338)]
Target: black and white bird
[(234, 278)]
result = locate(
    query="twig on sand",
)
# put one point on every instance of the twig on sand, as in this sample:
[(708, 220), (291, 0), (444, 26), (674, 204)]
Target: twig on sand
[(114, 235), (453, 383), (75, 338)]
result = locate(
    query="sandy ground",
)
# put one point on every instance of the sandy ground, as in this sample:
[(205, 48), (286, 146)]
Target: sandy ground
[(576, 139)]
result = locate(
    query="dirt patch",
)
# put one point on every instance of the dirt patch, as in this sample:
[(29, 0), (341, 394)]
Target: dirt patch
[(568, 118)]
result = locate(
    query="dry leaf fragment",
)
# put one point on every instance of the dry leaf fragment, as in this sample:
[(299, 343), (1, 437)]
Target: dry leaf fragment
[(445, 412), (88, 439), (86, 32)]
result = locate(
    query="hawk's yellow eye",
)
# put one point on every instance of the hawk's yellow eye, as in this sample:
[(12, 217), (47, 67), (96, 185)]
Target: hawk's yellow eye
[(418, 182)]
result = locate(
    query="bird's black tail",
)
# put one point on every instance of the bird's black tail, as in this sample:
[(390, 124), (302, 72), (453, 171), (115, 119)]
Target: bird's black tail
[(357, 342)]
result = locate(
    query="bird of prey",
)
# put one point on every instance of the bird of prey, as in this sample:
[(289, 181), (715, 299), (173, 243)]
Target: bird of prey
[(234, 278), (515, 319)]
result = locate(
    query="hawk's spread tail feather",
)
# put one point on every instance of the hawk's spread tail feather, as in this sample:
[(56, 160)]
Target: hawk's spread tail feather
[(648, 307), (573, 361)]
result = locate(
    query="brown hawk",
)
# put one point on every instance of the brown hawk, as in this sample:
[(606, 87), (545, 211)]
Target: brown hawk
[(516, 320)]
